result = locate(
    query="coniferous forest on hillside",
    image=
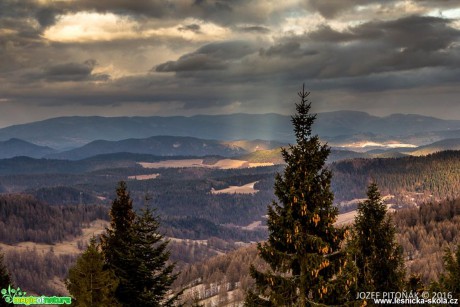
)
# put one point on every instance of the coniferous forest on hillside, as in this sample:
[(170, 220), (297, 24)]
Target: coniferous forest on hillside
[(177, 239)]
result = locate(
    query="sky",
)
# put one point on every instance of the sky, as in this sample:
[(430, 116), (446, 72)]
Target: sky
[(187, 57)]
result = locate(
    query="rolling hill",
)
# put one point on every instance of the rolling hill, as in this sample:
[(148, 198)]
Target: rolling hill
[(448, 144), (166, 146), (65, 133), (16, 147)]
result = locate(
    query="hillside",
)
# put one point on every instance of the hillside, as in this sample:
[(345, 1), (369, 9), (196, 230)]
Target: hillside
[(203, 223), (156, 145), (274, 156), (413, 179), (16, 147), (422, 232), (448, 144)]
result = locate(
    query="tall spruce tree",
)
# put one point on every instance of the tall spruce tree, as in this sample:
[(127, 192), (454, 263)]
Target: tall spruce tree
[(117, 243), (89, 282), (152, 277), (377, 255), (137, 253), (303, 247)]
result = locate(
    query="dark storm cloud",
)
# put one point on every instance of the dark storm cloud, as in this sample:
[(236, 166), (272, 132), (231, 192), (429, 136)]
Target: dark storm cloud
[(46, 16), (192, 62), (225, 12), (70, 72), (214, 56), (413, 32), (331, 8), (147, 89), (375, 47), (151, 8), (288, 49), (22, 23), (390, 81), (16, 8), (192, 27), (407, 43), (382, 55), (378, 55), (254, 29)]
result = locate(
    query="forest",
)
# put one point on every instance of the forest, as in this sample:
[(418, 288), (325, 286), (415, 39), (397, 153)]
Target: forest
[(191, 223), (423, 233), (68, 202)]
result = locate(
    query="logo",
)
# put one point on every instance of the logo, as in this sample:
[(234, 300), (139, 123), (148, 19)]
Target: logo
[(18, 297)]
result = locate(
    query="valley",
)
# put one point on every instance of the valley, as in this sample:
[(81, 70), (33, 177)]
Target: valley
[(211, 195)]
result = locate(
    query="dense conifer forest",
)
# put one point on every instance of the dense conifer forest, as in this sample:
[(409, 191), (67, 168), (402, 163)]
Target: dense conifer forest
[(23, 218)]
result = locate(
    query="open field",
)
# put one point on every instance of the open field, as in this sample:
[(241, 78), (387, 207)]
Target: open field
[(254, 225), (244, 189), (221, 164), (144, 177), (173, 163), (66, 247), (346, 218)]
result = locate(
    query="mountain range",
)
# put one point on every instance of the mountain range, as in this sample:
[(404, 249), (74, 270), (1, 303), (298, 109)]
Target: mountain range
[(64, 133)]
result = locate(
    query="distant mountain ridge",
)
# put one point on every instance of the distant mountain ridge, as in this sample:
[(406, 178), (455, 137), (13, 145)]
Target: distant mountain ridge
[(443, 145), (71, 132), (16, 147), (166, 146)]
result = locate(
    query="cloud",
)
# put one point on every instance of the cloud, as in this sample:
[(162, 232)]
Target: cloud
[(70, 72), (287, 49), (409, 43), (332, 8), (388, 9), (46, 16), (223, 12), (254, 29), (214, 56), (207, 55), (374, 47), (192, 62), (192, 27)]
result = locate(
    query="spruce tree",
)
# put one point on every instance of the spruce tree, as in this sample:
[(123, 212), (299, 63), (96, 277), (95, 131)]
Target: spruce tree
[(377, 255), (5, 280), (152, 277), (137, 253), (117, 242), (89, 282), (303, 247), (450, 280)]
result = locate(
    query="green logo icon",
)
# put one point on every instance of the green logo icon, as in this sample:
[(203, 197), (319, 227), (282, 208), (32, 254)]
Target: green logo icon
[(11, 293), (18, 297)]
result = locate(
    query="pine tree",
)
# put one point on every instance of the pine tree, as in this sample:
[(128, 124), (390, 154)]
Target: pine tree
[(89, 282), (377, 256), (303, 248), (5, 279)]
